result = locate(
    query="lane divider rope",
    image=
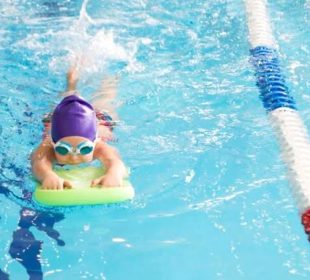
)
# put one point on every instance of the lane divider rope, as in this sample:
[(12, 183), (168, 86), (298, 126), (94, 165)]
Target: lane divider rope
[(289, 128)]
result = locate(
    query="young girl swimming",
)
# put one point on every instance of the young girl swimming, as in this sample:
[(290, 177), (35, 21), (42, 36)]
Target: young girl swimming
[(76, 132)]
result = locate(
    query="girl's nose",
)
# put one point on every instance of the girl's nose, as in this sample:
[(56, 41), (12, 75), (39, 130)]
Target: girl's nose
[(73, 157)]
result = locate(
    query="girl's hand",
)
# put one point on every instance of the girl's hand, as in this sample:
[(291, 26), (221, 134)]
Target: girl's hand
[(108, 180), (54, 182)]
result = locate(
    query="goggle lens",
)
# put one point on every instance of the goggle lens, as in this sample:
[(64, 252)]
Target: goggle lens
[(86, 150), (62, 150)]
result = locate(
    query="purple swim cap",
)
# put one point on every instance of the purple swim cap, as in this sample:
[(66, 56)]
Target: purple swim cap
[(74, 116)]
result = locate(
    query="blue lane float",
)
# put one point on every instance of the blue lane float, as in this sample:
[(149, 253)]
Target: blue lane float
[(269, 79)]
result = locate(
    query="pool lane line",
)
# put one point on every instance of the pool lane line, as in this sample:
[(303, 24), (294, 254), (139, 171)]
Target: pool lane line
[(280, 106)]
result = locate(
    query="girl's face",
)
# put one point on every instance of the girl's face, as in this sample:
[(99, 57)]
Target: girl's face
[(74, 150)]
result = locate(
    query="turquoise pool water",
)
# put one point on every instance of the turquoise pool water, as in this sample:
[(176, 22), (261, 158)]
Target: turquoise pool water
[(212, 200)]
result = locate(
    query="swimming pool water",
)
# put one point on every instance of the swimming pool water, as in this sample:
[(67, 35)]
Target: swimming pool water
[(212, 200)]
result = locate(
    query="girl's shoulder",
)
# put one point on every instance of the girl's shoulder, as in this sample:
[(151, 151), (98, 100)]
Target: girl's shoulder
[(44, 150)]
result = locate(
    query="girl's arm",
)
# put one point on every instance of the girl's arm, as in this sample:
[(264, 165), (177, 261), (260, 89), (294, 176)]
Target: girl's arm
[(42, 160), (42, 167), (116, 169)]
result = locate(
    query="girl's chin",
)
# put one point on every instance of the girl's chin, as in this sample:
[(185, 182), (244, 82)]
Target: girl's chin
[(73, 162)]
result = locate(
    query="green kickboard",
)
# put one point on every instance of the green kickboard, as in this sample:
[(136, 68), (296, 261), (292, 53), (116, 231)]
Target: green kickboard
[(82, 193)]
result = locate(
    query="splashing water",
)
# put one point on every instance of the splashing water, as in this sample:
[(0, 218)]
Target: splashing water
[(84, 41), (95, 49)]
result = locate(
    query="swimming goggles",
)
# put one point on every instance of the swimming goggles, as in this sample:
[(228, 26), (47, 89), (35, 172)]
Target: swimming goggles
[(64, 148)]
